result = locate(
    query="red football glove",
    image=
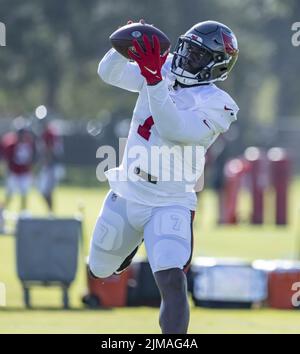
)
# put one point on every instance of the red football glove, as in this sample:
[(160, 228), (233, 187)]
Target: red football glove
[(149, 60)]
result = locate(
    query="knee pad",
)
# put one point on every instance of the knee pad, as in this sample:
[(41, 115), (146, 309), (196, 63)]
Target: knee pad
[(169, 254), (102, 264), (91, 273), (98, 270)]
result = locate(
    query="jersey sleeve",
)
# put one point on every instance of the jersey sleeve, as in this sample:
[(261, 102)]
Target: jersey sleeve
[(116, 70), (200, 124), (194, 126), (220, 110)]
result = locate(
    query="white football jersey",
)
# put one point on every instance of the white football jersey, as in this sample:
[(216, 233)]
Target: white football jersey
[(170, 131)]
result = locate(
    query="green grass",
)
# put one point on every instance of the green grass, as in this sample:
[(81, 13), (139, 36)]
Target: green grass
[(243, 241)]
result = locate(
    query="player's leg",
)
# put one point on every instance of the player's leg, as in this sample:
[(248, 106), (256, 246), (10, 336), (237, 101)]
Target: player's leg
[(47, 184), (169, 242), (24, 184), (11, 187), (114, 238), (174, 310)]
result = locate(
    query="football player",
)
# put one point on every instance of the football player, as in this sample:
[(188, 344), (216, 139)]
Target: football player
[(18, 149), (50, 155), (178, 106)]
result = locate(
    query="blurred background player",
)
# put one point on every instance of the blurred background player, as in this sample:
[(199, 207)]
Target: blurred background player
[(50, 154), (18, 151)]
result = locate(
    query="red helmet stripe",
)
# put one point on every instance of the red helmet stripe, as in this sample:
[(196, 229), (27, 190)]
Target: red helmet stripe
[(229, 44)]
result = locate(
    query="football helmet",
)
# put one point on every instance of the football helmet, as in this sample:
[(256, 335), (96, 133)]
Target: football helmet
[(205, 53)]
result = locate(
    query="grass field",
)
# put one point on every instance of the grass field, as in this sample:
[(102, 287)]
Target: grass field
[(243, 241)]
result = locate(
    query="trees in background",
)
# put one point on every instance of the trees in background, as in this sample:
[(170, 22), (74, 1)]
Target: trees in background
[(53, 48)]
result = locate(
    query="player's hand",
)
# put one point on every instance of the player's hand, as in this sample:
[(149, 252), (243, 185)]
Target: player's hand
[(149, 60)]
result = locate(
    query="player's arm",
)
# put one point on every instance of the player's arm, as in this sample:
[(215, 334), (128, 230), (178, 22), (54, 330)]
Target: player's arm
[(116, 70), (188, 126), (184, 126)]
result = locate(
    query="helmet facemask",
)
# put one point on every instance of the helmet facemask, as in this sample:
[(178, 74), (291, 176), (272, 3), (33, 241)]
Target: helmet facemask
[(191, 57)]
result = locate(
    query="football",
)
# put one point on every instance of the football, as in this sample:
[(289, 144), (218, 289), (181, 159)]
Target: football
[(122, 38)]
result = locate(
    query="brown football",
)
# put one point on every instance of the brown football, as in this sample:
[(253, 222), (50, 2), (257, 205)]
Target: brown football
[(122, 38)]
